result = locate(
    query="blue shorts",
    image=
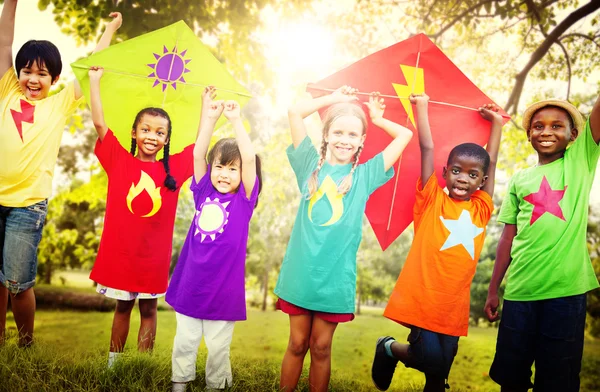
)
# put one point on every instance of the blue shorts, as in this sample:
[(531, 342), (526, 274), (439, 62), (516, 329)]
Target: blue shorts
[(20, 234), (548, 332), (431, 353)]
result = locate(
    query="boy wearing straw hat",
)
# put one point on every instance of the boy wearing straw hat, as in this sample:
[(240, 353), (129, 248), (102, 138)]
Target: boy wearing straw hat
[(545, 213)]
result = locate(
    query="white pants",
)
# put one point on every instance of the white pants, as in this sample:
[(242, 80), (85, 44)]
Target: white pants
[(217, 336)]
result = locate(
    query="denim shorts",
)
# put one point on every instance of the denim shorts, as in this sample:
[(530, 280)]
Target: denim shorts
[(431, 353), (548, 332), (20, 234)]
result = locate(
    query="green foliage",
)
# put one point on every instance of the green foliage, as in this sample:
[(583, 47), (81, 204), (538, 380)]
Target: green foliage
[(593, 297), (229, 23)]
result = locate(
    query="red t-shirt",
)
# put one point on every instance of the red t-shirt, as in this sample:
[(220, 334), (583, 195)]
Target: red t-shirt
[(135, 249), (433, 289)]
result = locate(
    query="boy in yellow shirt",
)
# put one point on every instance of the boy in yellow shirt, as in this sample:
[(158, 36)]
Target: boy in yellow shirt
[(31, 127)]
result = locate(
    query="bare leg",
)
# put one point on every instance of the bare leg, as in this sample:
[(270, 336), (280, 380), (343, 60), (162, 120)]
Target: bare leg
[(147, 331), (3, 310), (321, 337), (291, 367), (120, 327), (23, 307), (400, 351)]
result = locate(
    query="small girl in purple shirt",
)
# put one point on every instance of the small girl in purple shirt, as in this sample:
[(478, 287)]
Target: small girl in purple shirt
[(207, 287)]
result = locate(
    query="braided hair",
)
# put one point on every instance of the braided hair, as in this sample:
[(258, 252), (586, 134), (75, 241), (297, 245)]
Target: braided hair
[(333, 113), (170, 182)]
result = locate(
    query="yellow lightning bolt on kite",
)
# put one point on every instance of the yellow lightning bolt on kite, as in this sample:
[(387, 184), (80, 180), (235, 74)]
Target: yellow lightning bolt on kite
[(328, 189), (146, 183), (415, 80)]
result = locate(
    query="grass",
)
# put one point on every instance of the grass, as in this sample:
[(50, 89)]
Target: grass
[(71, 351)]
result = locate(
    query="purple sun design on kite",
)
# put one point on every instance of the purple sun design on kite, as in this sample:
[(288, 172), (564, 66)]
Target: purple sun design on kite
[(169, 68)]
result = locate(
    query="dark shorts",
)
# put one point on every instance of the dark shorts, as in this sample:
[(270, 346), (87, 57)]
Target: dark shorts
[(294, 310), (20, 234), (431, 353), (547, 332)]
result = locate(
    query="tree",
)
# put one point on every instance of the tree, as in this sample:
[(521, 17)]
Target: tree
[(554, 39), (230, 23)]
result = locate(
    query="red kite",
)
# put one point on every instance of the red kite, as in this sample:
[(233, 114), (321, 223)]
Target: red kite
[(415, 65)]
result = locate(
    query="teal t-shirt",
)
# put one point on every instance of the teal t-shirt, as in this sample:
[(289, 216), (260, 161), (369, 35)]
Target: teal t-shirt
[(549, 205), (319, 268)]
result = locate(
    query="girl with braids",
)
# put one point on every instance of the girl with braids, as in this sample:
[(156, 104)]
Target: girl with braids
[(317, 281), (207, 288), (135, 250)]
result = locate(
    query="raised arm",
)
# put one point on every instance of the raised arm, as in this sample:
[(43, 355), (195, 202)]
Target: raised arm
[(232, 113), (594, 121), (95, 74), (425, 138), (501, 264), (400, 134), (7, 34), (490, 113), (299, 111), (104, 42), (211, 111)]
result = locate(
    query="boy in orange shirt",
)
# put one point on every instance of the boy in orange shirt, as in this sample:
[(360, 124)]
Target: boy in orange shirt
[(432, 292)]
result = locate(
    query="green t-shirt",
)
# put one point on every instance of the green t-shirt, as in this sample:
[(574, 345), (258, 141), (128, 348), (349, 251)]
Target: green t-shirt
[(549, 205), (319, 267)]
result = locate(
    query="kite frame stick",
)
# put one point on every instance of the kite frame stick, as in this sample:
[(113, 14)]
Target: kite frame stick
[(315, 87), (144, 77)]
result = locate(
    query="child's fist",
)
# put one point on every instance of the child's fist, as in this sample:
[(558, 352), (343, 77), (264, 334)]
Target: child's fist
[(490, 111), (214, 109), (209, 95), (95, 73), (416, 98), (232, 110), (116, 22), (345, 94)]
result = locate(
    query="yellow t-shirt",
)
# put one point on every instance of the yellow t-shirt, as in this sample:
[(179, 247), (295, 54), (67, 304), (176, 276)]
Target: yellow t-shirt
[(30, 134)]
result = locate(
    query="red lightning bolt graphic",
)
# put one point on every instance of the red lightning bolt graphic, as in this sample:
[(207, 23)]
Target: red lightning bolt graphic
[(25, 115)]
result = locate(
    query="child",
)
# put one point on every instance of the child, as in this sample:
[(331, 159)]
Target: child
[(32, 126), (432, 292), (545, 214), (317, 282), (207, 287), (135, 250)]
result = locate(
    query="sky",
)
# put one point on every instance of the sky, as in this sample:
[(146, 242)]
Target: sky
[(302, 51)]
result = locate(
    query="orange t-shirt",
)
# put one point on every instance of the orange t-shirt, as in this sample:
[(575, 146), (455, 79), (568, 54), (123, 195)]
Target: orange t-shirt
[(433, 289)]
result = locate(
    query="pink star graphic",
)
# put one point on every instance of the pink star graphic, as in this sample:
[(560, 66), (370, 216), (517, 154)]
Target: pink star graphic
[(545, 200)]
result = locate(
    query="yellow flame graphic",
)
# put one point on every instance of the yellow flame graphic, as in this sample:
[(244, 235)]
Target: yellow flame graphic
[(146, 183), (415, 80), (328, 189)]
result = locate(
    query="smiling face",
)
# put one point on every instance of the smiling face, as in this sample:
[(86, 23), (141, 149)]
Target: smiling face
[(464, 175), (226, 178), (151, 135), (35, 81), (344, 137), (550, 132)]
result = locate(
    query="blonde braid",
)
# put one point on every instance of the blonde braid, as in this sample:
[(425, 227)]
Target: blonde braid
[(313, 181), (346, 182)]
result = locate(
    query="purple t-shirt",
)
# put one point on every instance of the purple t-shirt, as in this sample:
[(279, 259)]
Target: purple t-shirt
[(208, 281)]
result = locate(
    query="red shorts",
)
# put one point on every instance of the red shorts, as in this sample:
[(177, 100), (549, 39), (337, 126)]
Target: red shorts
[(294, 310)]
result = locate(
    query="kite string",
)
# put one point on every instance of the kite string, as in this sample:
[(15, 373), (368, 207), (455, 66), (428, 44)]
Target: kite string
[(145, 77)]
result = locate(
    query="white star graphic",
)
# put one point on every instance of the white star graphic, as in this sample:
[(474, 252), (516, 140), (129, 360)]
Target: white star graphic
[(462, 231)]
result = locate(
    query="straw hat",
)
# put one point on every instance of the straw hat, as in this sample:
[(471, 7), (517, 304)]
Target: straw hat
[(578, 120)]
